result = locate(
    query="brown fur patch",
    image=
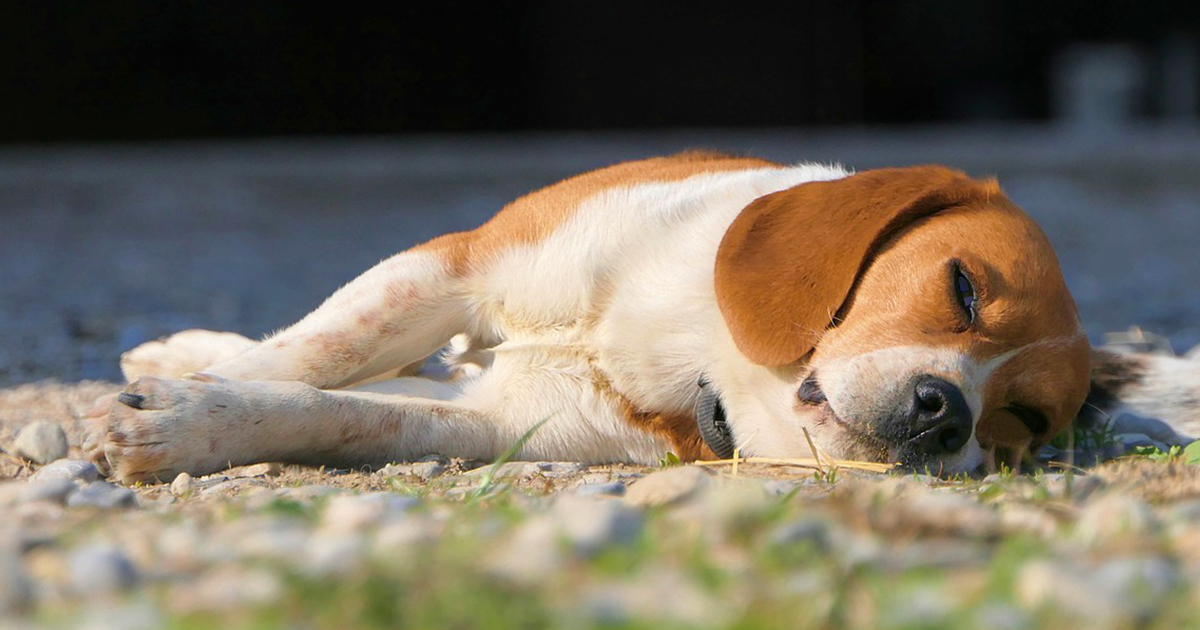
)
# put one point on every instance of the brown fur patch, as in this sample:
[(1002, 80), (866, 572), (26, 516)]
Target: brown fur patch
[(535, 216), (678, 428)]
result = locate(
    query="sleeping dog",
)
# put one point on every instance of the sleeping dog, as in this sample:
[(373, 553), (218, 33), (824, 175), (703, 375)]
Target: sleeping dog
[(692, 304)]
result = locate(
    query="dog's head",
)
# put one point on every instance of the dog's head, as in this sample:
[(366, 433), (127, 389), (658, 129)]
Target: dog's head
[(909, 315)]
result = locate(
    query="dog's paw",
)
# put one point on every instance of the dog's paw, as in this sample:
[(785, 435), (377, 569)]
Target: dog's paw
[(95, 427), (159, 428), (181, 353)]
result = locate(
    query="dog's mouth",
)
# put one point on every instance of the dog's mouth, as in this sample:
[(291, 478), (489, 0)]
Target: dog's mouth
[(855, 440)]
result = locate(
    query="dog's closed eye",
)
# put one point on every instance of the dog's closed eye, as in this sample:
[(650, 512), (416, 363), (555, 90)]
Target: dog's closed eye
[(964, 292)]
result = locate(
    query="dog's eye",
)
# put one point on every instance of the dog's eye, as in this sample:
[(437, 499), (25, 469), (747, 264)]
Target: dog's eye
[(1033, 419), (964, 292)]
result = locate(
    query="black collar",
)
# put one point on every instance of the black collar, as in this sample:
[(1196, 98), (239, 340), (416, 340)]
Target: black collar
[(710, 418)]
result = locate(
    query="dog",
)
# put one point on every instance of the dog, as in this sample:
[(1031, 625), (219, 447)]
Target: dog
[(694, 304)]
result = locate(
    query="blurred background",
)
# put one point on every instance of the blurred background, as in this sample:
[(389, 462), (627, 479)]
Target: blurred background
[(227, 165)]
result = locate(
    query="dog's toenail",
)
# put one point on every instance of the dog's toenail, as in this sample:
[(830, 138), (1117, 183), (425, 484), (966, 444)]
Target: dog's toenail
[(131, 400)]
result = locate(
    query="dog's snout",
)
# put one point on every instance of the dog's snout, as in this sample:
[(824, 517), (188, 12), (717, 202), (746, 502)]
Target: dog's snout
[(940, 419)]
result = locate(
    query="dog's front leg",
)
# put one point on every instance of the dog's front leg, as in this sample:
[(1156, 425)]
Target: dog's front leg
[(397, 313), (160, 428)]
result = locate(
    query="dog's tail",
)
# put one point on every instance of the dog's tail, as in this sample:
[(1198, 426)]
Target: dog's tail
[(1153, 393)]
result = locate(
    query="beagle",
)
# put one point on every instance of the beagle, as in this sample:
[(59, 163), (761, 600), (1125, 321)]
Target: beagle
[(684, 304)]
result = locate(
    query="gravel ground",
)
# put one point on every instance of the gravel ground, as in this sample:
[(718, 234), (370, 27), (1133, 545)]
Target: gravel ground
[(449, 543), (106, 247)]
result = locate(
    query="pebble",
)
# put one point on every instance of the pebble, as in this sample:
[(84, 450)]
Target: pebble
[(404, 535), (72, 469), (1111, 515), (230, 486), (100, 570), (16, 591), (53, 490), (227, 588), (351, 513), (667, 486), (779, 487), (283, 538), (559, 469), (183, 485), (592, 524), (529, 555), (333, 555), (949, 512), (1077, 488), (810, 530), (310, 491), (1117, 591), (41, 442), (424, 471), (269, 469), (104, 495), (607, 489)]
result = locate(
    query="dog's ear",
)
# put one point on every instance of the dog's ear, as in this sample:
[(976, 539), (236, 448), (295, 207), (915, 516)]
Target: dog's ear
[(791, 258)]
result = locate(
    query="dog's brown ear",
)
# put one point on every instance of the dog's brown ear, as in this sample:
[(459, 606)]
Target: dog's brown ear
[(790, 259)]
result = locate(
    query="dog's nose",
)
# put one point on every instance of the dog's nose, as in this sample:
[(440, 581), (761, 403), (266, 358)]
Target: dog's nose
[(940, 420)]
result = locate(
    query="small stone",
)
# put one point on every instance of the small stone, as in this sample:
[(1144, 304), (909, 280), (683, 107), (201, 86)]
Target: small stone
[(559, 469), (351, 513), (282, 538), (608, 489), (949, 512), (404, 535), (1142, 582), (99, 570), (424, 471), (779, 487), (667, 486), (805, 531), (183, 485), (72, 469), (1112, 515), (104, 495), (310, 491), (227, 588), (530, 555), (921, 607), (52, 490), (41, 442), (230, 487), (16, 591), (270, 469), (1077, 488), (594, 524), (1116, 592), (1025, 519), (333, 555)]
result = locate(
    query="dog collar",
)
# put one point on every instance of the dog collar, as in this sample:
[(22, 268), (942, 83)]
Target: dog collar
[(710, 418)]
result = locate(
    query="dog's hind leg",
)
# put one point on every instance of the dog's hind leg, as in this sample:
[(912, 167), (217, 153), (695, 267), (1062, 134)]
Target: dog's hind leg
[(185, 351), (396, 314)]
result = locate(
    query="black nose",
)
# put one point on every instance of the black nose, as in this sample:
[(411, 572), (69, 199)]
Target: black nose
[(940, 421)]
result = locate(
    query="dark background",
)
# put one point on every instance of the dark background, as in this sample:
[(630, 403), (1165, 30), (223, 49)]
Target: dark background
[(227, 165), (135, 71)]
